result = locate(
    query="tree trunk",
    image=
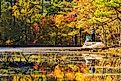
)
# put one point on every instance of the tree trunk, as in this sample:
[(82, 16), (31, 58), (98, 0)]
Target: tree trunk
[(76, 40), (104, 35), (80, 39), (56, 37)]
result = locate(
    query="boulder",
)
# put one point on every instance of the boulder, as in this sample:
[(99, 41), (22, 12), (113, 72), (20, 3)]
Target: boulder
[(93, 45)]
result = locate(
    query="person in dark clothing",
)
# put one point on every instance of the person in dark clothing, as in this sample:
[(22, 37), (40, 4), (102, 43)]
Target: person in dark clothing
[(93, 34)]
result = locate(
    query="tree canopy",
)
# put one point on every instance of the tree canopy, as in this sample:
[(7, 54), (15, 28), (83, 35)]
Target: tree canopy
[(59, 22)]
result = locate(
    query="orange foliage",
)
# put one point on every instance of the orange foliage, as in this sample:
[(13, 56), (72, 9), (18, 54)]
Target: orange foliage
[(36, 27)]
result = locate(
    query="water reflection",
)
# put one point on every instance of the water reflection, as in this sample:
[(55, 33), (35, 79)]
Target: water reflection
[(58, 66)]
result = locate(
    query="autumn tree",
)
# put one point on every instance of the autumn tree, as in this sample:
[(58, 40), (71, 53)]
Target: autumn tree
[(59, 22), (28, 12), (107, 18)]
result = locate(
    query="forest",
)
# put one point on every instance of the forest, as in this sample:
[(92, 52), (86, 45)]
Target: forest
[(59, 22)]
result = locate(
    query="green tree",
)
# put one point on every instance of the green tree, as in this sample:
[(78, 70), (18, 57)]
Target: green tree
[(5, 22), (107, 17)]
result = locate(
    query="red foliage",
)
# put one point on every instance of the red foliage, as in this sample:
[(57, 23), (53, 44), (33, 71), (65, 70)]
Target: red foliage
[(36, 27), (70, 17), (82, 69), (47, 22), (43, 21)]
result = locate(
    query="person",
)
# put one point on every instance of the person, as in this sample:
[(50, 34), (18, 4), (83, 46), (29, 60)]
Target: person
[(93, 34), (88, 37)]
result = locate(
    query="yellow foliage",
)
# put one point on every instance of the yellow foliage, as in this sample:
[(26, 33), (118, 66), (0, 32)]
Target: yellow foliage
[(108, 78), (58, 73), (73, 33), (22, 11), (14, 7), (15, 78), (70, 76), (58, 19), (9, 41), (97, 79), (79, 76)]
